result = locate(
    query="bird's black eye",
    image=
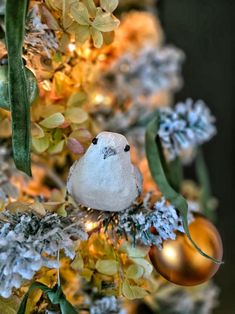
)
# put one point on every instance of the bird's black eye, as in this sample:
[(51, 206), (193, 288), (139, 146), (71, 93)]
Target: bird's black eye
[(127, 148), (95, 140)]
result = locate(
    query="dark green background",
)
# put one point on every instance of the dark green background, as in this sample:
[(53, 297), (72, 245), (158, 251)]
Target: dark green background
[(204, 29)]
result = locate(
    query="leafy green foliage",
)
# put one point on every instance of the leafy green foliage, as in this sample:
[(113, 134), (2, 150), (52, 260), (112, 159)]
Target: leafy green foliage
[(107, 267), (84, 19), (8, 306), (53, 121), (121, 270), (109, 5), (132, 292)]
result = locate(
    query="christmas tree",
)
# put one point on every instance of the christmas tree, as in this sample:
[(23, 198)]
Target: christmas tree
[(96, 213)]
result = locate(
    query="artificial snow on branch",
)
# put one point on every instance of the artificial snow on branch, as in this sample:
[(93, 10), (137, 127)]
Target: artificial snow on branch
[(29, 242), (137, 223), (184, 127), (153, 70), (106, 305)]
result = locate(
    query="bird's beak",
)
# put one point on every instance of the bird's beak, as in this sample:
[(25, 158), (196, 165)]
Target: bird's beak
[(109, 151)]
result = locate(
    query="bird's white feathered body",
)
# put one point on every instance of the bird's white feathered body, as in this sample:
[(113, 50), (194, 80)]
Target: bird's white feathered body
[(104, 178)]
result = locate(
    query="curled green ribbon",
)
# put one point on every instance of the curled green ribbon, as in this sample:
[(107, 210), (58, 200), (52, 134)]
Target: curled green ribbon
[(156, 161)]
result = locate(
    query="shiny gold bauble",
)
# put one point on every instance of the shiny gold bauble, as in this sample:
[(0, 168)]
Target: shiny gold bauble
[(180, 263)]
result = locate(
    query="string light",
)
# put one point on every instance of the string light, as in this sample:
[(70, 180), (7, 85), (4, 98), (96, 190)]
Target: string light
[(99, 98), (84, 52), (89, 225), (87, 53), (46, 85), (71, 47), (102, 57)]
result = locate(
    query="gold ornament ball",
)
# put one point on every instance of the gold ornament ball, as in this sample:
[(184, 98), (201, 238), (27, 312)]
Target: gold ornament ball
[(180, 263)]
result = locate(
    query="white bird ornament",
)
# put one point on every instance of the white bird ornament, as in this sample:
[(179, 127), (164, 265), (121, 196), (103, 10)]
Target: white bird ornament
[(104, 178)]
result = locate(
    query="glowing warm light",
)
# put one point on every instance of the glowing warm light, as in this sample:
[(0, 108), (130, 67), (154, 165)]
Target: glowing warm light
[(90, 225), (99, 98), (87, 52), (71, 47), (102, 57), (46, 85), (92, 249), (84, 53)]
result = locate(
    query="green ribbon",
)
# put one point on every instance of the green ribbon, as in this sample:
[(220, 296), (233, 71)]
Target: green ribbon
[(204, 181), (55, 295), (18, 90), (4, 87), (156, 160), (173, 171)]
